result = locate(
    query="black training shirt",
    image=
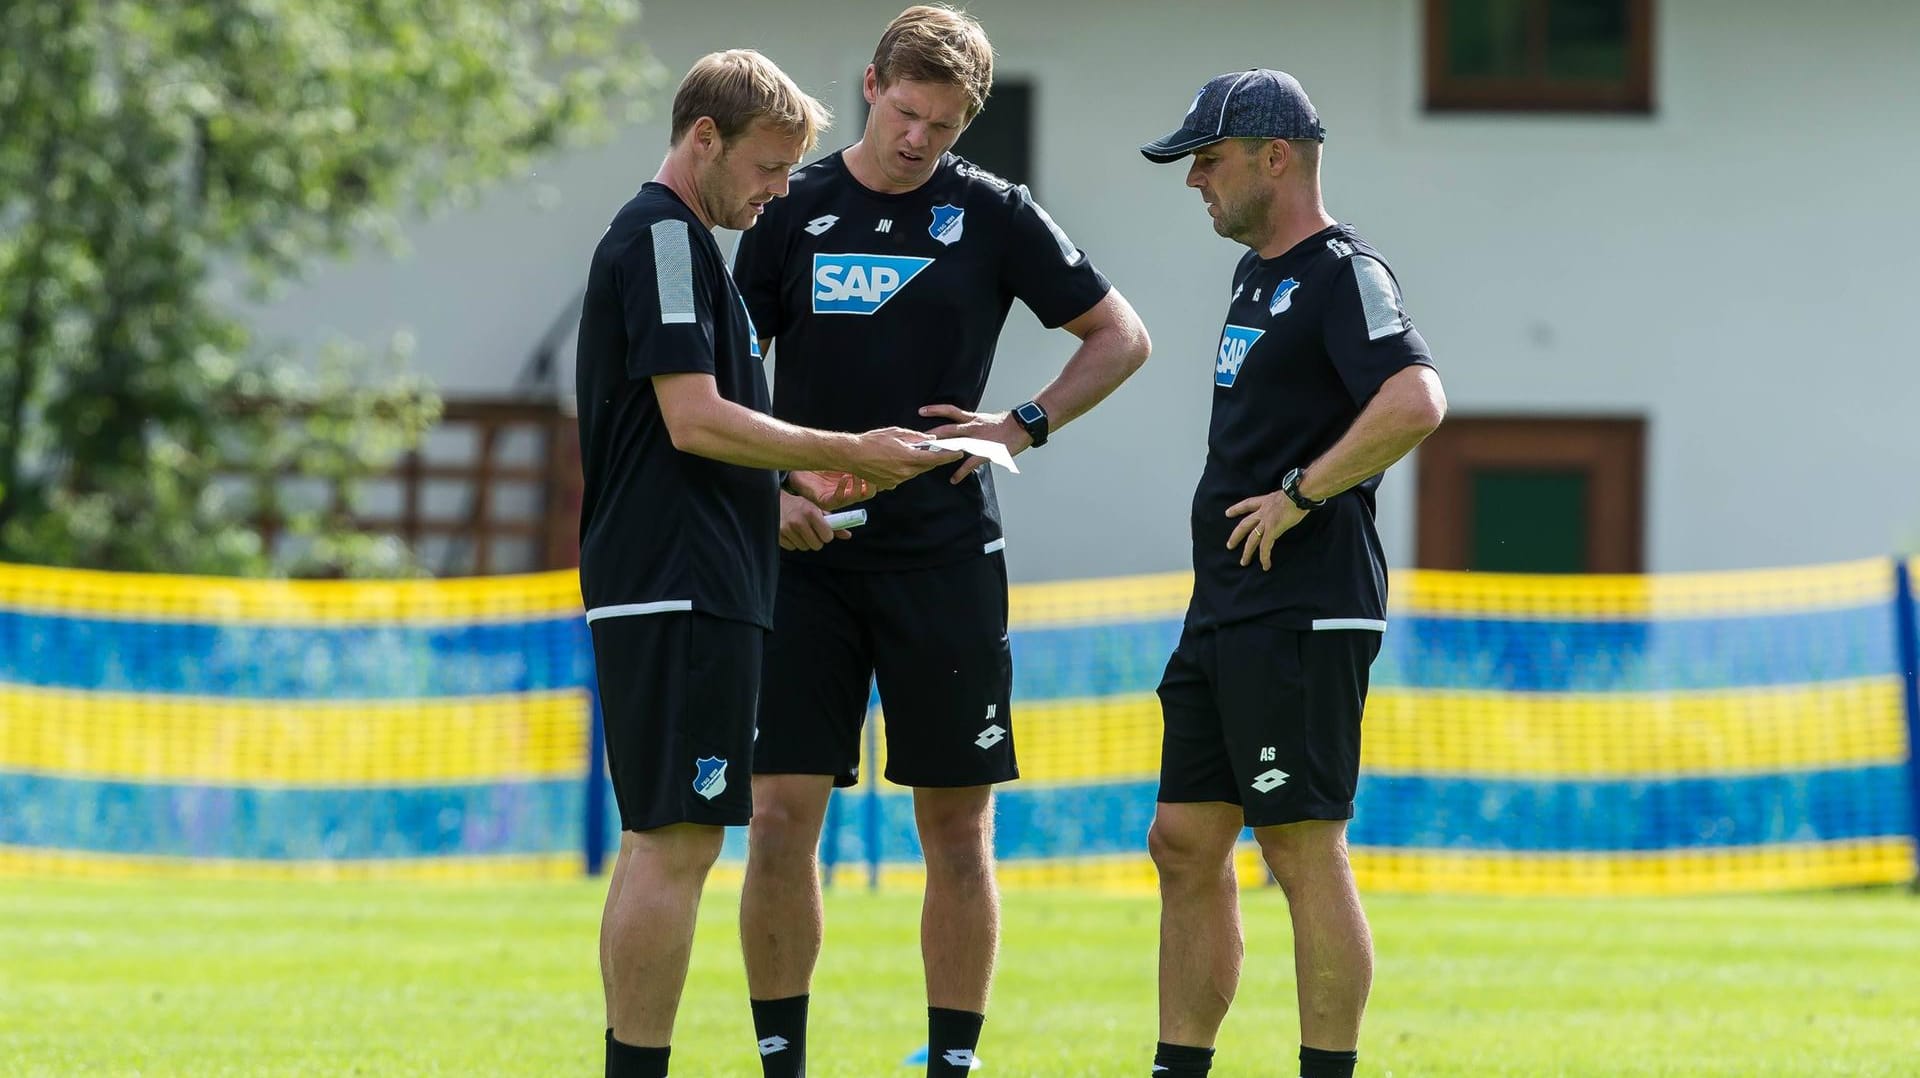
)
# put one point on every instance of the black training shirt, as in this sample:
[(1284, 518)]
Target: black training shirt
[(663, 530), (883, 303), (1310, 336)]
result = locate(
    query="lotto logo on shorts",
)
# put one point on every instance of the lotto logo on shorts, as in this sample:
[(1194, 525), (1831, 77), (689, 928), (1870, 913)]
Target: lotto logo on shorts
[(861, 284), (1268, 781), (1235, 343)]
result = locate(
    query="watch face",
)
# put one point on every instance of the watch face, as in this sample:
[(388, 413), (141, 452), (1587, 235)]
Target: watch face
[(1029, 412)]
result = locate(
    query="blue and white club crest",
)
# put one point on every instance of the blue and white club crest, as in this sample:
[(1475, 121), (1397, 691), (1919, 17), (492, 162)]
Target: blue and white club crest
[(1282, 296), (710, 777), (948, 223)]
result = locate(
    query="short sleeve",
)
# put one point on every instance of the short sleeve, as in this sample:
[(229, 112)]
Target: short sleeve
[(757, 267), (1043, 268), (1367, 332), (666, 291)]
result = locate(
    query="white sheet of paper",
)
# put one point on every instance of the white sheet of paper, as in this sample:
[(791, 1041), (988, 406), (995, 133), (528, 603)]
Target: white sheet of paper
[(979, 447)]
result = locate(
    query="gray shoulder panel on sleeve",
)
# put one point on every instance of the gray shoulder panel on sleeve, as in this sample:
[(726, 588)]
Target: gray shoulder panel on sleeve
[(1379, 298), (673, 270)]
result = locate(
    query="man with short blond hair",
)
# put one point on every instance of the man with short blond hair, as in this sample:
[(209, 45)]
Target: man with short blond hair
[(936, 43), (678, 519), (737, 87), (885, 280)]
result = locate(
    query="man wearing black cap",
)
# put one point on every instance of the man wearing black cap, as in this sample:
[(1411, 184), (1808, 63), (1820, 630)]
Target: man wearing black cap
[(1320, 383)]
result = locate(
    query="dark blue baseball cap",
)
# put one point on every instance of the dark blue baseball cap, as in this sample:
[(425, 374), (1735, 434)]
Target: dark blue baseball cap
[(1262, 103)]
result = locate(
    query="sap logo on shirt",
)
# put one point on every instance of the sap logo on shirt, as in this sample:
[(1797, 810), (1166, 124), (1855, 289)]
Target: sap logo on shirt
[(1235, 342), (860, 284)]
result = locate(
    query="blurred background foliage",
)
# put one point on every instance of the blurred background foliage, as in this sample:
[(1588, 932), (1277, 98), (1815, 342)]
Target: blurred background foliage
[(155, 153)]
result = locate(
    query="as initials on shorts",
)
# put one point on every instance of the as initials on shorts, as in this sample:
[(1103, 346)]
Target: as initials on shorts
[(1266, 755)]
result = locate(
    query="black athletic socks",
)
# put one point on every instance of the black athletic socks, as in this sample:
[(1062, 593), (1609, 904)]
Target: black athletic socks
[(630, 1061), (1315, 1063), (1181, 1061), (780, 1025), (951, 1038)]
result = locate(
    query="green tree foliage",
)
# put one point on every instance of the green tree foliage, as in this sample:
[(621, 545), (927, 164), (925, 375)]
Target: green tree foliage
[(152, 149)]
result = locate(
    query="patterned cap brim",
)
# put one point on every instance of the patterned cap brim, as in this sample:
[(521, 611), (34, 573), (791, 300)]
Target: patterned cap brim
[(1178, 144)]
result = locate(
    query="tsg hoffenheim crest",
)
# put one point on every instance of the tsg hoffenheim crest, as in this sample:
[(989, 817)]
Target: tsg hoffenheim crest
[(709, 777), (1282, 296), (948, 223)]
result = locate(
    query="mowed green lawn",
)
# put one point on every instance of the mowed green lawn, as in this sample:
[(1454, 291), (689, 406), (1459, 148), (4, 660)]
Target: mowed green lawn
[(359, 979)]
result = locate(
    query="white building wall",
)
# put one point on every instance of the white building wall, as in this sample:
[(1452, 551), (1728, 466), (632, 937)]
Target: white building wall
[(1735, 267)]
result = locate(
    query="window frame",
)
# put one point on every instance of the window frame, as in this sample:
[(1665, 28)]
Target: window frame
[(1632, 93), (1611, 450)]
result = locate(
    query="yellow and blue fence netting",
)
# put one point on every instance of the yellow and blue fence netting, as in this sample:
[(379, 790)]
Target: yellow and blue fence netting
[(1660, 734)]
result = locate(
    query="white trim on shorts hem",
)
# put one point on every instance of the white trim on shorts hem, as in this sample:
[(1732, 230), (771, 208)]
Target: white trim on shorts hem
[(995, 547), (1371, 624), (628, 610)]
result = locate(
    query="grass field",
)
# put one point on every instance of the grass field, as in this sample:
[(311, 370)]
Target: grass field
[(365, 979)]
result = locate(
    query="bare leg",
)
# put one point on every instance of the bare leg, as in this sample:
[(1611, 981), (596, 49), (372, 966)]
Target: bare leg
[(781, 920), (1200, 942), (606, 927), (960, 917), (1332, 946), (649, 926)]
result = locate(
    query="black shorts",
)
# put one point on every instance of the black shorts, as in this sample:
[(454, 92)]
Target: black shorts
[(677, 691), (1266, 718), (936, 642)]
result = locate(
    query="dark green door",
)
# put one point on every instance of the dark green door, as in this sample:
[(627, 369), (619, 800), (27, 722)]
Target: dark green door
[(1527, 521)]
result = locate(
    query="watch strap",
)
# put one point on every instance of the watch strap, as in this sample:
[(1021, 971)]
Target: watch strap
[(1033, 419), (1290, 486)]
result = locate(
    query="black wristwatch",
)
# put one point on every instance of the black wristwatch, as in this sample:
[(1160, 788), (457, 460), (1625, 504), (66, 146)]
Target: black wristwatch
[(1290, 486), (1034, 418)]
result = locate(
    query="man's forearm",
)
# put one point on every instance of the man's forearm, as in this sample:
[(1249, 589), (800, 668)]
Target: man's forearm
[(1103, 361), (1405, 410), (1110, 351), (728, 432)]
